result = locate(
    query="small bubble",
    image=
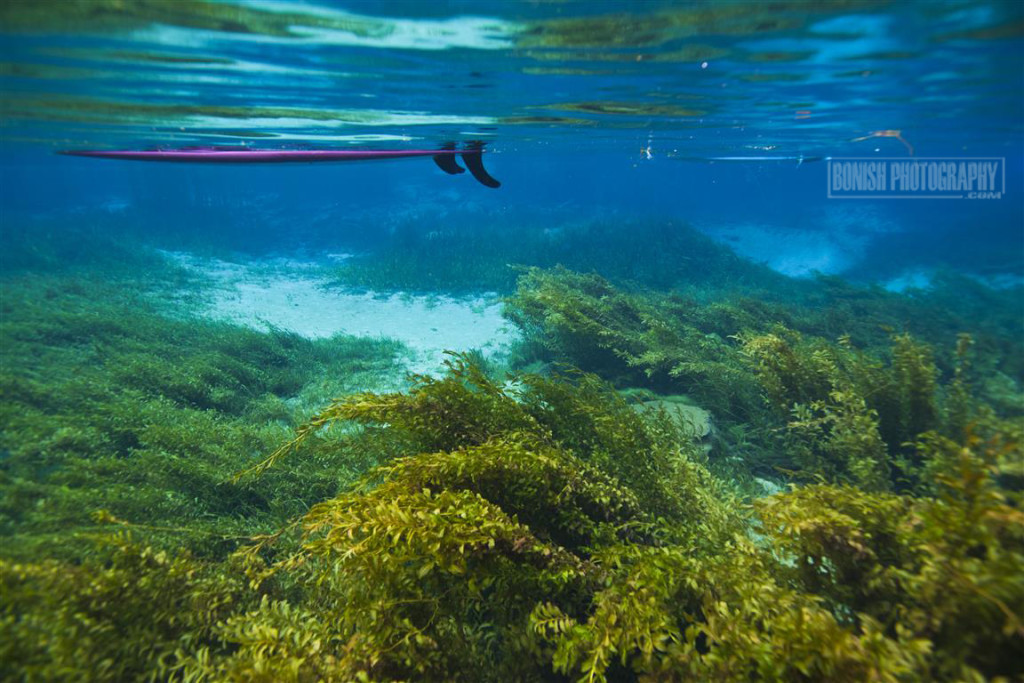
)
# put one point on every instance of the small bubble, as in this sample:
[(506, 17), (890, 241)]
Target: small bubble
[(703, 65)]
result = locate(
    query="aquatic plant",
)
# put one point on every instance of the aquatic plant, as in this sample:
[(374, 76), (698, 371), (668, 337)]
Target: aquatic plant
[(854, 418), (825, 307), (125, 615), (544, 530), (632, 339), (109, 403), (945, 569), (819, 407), (463, 250), (539, 527), (681, 595)]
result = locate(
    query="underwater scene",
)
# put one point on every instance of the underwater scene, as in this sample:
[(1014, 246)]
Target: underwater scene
[(511, 340)]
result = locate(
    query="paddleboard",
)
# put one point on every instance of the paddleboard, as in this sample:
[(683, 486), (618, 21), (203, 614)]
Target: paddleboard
[(445, 158)]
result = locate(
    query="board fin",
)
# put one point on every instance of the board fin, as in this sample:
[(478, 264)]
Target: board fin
[(447, 162), (473, 158)]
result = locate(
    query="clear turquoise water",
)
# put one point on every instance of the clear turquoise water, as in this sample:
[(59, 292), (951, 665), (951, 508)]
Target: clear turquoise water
[(588, 108), (166, 327)]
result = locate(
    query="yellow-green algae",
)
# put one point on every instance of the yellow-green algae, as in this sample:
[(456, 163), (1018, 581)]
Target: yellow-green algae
[(551, 532), (539, 528)]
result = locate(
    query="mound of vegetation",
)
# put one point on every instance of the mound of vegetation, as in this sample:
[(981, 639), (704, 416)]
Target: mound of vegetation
[(544, 530), (471, 254), (771, 378), (108, 403), (538, 528)]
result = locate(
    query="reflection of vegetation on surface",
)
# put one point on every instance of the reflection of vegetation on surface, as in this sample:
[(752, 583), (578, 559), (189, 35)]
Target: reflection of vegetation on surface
[(65, 108), (629, 109), (657, 28), (114, 15), (136, 57), (689, 54), (539, 528)]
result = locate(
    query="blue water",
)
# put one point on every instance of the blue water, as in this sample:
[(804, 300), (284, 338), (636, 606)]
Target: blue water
[(589, 109), (241, 406)]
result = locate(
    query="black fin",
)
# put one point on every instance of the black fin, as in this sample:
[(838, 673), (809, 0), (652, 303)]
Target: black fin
[(473, 158), (447, 163)]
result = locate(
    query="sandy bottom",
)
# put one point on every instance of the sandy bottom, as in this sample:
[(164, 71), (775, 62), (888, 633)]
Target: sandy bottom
[(295, 296)]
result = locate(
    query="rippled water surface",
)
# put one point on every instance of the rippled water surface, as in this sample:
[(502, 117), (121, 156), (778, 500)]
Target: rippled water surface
[(682, 78)]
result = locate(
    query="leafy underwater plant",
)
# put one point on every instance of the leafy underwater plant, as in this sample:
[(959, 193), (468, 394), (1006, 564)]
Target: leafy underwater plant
[(634, 339), (601, 326), (124, 615), (537, 529), (851, 417), (947, 569), (109, 402), (553, 533)]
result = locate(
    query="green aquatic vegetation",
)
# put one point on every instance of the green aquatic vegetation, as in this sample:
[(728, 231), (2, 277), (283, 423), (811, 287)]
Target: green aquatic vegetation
[(852, 417), (478, 528), (827, 308), (668, 616), (82, 250), (650, 452), (467, 409), (841, 410), (945, 569), (441, 557), (914, 396), (840, 440), (551, 532), (522, 552), (689, 289), (951, 305), (670, 344), (127, 615), (469, 250), (819, 388), (109, 403)]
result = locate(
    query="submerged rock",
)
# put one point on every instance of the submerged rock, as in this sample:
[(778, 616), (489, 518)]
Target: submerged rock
[(691, 418)]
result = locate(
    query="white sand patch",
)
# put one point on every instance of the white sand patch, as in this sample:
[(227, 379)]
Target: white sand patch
[(295, 296)]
